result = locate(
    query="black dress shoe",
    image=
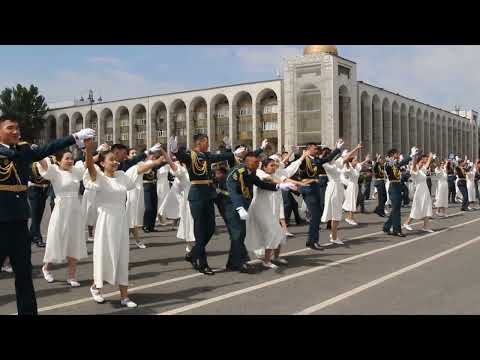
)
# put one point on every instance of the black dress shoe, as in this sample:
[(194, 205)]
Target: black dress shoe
[(40, 243), (246, 269), (315, 246), (145, 230), (399, 234), (388, 232), (206, 270), (189, 258)]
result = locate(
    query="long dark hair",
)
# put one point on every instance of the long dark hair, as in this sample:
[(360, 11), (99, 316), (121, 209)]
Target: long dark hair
[(266, 162), (101, 158)]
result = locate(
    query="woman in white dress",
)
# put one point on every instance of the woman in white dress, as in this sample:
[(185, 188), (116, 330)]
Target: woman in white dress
[(351, 174), (441, 194), (335, 193), (170, 207), (263, 226), (65, 236), (163, 187), (136, 210), (471, 182), (422, 201), (111, 244)]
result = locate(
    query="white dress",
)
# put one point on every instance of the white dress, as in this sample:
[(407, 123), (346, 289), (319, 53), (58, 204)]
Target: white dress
[(163, 187), (441, 194), (351, 176), (281, 174), (335, 193), (170, 207), (185, 225), (422, 201), (66, 234), (263, 227), (111, 245), (471, 185), (89, 209), (136, 204)]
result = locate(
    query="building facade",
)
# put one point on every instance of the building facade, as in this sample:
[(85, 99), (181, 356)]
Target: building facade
[(318, 99)]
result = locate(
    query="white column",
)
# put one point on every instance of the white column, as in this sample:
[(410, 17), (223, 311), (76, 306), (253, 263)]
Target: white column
[(232, 124), (130, 128), (279, 125), (189, 127), (148, 132), (254, 125), (209, 124)]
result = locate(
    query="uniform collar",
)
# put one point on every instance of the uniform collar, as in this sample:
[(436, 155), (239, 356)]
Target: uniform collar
[(7, 146)]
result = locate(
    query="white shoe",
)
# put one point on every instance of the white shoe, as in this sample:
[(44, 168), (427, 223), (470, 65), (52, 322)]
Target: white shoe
[(351, 222), (338, 241), (128, 303), (73, 283), (269, 265), (47, 275), (280, 261), (259, 253), (428, 230), (7, 268), (97, 295), (289, 234), (140, 245), (90, 239), (408, 227)]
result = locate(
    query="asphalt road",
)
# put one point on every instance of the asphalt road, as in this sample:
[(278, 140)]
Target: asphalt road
[(372, 274)]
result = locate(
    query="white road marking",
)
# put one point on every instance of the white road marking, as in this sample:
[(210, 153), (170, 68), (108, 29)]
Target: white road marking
[(187, 277), (303, 273), (347, 294)]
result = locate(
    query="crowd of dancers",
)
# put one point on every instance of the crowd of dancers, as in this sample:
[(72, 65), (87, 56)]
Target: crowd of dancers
[(108, 194)]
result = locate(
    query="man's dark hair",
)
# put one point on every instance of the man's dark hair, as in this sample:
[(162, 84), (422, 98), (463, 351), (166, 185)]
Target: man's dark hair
[(198, 137), (119, 147), (11, 117), (392, 152), (310, 144), (221, 169), (130, 149), (251, 154)]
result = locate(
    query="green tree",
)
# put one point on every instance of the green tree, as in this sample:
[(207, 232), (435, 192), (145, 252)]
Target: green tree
[(28, 106)]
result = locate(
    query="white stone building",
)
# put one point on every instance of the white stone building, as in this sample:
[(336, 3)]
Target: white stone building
[(318, 100)]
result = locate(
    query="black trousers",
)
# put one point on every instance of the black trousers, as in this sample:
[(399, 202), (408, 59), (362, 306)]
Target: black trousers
[(452, 191), (368, 186), (361, 199), (464, 191), (37, 197), (220, 202), (238, 254), (313, 200), (394, 220), (405, 194), (15, 242), (203, 214), (150, 200), (290, 205), (382, 197)]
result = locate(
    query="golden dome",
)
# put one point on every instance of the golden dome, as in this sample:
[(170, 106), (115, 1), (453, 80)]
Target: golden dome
[(317, 49)]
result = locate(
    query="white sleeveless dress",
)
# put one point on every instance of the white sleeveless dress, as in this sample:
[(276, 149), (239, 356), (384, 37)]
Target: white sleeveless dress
[(185, 225), (136, 204)]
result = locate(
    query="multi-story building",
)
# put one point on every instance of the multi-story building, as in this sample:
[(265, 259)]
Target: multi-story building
[(318, 99)]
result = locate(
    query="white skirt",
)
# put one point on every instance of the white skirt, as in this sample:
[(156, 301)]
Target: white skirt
[(422, 202), (89, 208), (170, 207), (471, 191), (351, 194), (135, 207), (66, 234), (334, 197), (441, 195)]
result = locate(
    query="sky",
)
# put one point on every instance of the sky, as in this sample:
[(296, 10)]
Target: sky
[(443, 76)]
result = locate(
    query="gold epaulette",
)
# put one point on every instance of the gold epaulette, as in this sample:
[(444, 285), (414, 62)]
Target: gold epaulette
[(23, 143)]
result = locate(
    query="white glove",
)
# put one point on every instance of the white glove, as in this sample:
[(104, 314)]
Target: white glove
[(457, 158), (286, 186), (155, 148), (264, 144), (103, 147), (434, 156), (401, 157), (239, 151), (242, 213), (413, 151), (84, 134), (339, 144)]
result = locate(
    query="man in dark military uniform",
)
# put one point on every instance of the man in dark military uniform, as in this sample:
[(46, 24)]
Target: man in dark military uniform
[(404, 177), (311, 168), (378, 170), (150, 198), (451, 178), (240, 181), (121, 155), (38, 191), (201, 195), (462, 184), (15, 168), (392, 168)]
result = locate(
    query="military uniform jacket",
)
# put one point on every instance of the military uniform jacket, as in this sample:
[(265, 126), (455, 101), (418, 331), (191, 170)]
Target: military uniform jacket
[(127, 164), (379, 172), (392, 168), (462, 178), (16, 169), (312, 168), (240, 183), (199, 166), (36, 178)]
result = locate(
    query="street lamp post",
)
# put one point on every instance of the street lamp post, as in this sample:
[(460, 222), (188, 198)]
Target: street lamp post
[(91, 101)]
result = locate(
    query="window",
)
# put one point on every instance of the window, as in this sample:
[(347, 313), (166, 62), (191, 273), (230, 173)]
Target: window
[(124, 137), (200, 131), (269, 125), (141, 121), (201, 116), (180, 117), (270, 109), (343, 70), (221, 114), (110, 124), (141, 135), (308, 71), (124, 123), (109, 137), (245, 111), (161, 133)]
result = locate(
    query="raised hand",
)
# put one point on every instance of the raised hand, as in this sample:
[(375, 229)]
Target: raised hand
[(264, 144), (339, 144)]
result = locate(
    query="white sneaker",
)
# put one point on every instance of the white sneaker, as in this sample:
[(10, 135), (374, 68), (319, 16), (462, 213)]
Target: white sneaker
[(351, 222), (73, 283), (259, 253), (289, 234), (338, 241), (428, 230), (97, 295), (90, 239), (7, 268), (128, 303), (269, 265), (140, 245), (281, 261), (47, 275), (408, 227)]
